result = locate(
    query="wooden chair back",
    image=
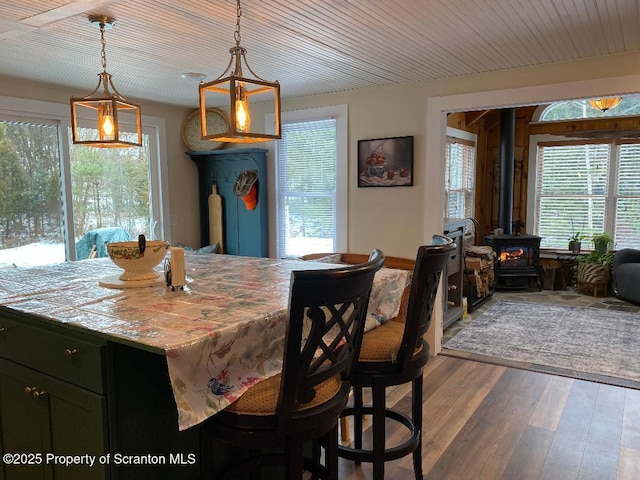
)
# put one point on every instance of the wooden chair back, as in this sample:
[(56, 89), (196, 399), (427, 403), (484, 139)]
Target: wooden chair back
[(333, 304), (357, 258), (389, 262), (430, 262)]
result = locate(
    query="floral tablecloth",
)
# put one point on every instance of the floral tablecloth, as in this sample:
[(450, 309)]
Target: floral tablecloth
[(223, 333)]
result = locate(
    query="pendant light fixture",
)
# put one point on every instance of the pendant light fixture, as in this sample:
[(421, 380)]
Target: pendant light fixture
[(103, 108), (604, 104), (240, 93)]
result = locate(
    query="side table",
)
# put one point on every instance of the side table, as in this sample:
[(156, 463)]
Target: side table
[(567, 261)]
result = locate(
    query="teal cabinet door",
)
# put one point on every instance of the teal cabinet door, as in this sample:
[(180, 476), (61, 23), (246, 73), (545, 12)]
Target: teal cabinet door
[(43, 415)]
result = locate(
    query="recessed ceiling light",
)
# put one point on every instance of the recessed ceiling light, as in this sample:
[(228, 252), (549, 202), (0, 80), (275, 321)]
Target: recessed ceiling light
[(193, 76)]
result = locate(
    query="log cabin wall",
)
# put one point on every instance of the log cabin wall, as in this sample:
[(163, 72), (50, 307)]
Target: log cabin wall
[(490, 186), (486, 125)]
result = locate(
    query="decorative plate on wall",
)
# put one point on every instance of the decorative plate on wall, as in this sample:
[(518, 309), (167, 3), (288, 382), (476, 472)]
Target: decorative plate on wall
[(192, 131)]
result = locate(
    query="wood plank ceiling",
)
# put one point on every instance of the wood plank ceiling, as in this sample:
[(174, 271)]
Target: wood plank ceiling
[(310, 46)]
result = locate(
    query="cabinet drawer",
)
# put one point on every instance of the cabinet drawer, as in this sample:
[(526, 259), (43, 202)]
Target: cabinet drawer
[(455, 259), (73, 358), (454, 263)]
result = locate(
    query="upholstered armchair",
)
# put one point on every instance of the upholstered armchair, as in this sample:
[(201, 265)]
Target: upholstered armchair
[(626, 274)]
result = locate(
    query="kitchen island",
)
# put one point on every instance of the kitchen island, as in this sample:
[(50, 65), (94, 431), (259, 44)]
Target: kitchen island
[(113, 383)]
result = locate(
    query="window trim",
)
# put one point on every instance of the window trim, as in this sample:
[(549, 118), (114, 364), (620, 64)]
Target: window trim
[(57, 114), (340, 114)]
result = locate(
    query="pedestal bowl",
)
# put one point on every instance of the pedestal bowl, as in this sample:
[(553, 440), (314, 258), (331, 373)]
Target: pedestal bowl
[(138, 263)]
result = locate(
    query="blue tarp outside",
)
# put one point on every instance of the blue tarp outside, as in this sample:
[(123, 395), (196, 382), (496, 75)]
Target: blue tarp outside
[(99, 237)]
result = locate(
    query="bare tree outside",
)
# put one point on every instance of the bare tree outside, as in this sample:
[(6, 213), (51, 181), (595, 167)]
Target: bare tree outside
[(110, 187)]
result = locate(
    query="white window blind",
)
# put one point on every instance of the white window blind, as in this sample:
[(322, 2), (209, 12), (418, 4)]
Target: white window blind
[(306, 159), (571, 191), (588, 187), (459, 177), (627, 197)]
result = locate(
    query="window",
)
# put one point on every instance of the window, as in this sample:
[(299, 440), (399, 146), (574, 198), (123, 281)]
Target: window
[(31, 213), (459, 174), (588, 187), (110, 187), (311, 170), (47, 184), (571, 109)]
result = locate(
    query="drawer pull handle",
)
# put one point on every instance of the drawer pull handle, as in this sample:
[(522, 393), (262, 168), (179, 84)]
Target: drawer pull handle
[(3, 329), (28, 391), (70, 352), (38, 394)]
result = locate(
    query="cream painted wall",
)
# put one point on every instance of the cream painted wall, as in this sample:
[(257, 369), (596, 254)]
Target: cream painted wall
[(387, 218), (397, 220)]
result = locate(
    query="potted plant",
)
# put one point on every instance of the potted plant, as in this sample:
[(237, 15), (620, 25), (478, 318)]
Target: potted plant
[(575, 242), (601, 242), (594, 268)]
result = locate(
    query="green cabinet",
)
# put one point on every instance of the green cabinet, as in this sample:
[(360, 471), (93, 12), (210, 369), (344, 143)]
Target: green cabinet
[(42, 416), (67, 392), (23, 424), (51, 402)]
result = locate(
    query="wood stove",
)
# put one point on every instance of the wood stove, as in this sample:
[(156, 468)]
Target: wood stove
[(517, 260)]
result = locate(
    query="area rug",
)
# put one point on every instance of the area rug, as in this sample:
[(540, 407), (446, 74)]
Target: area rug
[(581, 342)]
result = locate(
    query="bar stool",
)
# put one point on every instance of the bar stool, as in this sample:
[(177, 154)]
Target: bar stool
[(393, 354), (304, 402)]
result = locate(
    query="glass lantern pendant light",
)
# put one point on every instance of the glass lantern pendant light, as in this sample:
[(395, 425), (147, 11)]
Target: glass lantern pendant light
[(604, 104), (102, 111), (240, 93)]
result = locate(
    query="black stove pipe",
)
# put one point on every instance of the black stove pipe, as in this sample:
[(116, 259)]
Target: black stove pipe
[(507, 162)]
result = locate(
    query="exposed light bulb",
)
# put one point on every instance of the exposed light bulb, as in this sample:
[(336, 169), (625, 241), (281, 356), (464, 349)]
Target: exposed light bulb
[(243, 120), (106, 124)]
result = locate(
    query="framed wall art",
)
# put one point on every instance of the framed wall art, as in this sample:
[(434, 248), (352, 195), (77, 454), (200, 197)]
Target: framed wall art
[(385, 162)]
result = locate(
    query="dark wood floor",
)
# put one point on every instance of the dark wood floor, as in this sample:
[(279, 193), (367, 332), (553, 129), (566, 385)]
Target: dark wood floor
[(485, 421)]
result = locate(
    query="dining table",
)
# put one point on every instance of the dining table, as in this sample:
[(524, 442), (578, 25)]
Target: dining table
[(220, 334)]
